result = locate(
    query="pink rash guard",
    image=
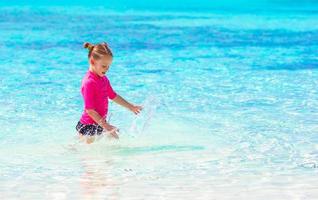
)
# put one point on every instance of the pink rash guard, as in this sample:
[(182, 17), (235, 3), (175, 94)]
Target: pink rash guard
[(95, 91)]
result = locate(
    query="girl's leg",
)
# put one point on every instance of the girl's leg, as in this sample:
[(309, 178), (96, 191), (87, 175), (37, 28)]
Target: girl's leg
[(81, 137), (90, 139), (87, 139)]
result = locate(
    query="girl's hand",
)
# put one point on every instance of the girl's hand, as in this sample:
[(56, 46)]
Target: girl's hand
[(135, 109), (112, 130)]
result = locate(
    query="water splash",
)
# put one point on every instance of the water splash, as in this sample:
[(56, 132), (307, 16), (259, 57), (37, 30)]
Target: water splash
[(142, 121)]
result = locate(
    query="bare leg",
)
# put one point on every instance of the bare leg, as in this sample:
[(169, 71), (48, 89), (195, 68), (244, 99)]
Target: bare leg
[(87, 139), (90, 139), (81, 137)]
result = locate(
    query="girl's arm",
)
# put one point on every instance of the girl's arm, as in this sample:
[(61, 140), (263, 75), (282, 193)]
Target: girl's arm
[(121, 101), (100, 121)]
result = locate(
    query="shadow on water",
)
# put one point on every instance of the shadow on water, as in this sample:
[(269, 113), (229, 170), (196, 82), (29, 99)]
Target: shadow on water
[(305, 65), (157, 149)]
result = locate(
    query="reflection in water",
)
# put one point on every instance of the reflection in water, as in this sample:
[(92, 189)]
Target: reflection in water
[(98, 180)]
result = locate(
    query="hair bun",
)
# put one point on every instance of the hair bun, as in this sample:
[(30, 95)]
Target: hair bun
[(88, 45)]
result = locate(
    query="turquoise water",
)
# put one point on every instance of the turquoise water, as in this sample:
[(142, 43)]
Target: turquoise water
[(230, 103)]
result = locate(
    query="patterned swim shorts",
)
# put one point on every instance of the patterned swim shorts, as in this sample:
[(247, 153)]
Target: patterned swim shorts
[(89, 129)]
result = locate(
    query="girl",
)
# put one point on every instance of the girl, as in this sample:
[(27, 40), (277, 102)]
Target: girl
[(96, 89)]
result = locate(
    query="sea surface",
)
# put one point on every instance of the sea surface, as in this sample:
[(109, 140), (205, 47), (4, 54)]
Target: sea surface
[(229, 94)]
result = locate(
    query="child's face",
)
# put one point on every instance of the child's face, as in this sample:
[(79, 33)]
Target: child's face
[(102, 65)]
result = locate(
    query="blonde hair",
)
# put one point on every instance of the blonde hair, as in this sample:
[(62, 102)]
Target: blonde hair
[(98, 50)]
